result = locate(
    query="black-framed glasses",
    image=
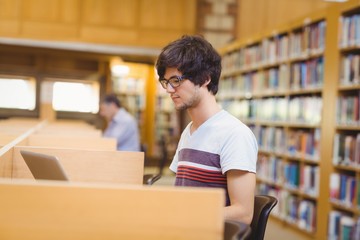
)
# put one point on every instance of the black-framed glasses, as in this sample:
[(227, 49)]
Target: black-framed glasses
[(174, 81)]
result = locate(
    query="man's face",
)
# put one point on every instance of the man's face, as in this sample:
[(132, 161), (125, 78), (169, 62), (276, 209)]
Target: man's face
[(107, 110), (184, 96)]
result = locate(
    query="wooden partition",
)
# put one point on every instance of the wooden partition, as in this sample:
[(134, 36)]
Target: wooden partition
[(70, 132), (63, 134), (69, 141), (69, 128), (5, 138), (6, 162), (80, 165), (56, 210), (85, 157), (28, 122)]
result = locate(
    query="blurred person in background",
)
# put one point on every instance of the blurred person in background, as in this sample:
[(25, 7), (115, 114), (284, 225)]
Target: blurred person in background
[(121, 124)]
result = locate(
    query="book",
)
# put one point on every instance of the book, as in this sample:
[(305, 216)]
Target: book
[(357, 151), (306, 215), (346, 227), (334, 186), (356, 230), (334, 224)]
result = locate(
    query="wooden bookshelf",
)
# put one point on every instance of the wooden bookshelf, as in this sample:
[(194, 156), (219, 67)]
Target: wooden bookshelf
[(285, 86), (131, 90), (137, 91), (345, 174), (167, 125)]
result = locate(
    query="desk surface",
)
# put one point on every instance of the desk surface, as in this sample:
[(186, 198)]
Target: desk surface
[(234, 230)]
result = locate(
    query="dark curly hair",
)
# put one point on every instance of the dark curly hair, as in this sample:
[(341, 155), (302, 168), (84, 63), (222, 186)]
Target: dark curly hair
[(112, 98), (195, 58)]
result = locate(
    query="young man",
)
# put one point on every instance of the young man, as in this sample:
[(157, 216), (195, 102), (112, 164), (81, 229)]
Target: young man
[(215, 149), (121, 124)]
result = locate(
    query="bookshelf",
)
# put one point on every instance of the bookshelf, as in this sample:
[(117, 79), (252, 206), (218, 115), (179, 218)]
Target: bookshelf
[(131, 88), (344, 217), (274, 85), (167, 124), (143, 96), (297, 88)]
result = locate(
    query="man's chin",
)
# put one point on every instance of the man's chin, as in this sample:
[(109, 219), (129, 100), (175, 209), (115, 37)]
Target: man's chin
[(180, 107)]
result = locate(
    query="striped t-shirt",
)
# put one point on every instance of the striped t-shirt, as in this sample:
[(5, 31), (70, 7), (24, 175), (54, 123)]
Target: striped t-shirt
[(220, 144)]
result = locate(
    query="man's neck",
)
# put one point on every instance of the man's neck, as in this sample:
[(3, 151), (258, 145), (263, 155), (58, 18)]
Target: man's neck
[(207, 108), (114, 114)]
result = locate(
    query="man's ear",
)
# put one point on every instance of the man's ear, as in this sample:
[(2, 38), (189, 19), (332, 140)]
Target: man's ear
[(207, 82)]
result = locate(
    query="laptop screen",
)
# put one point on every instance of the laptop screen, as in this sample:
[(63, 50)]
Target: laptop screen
[(45, 167)]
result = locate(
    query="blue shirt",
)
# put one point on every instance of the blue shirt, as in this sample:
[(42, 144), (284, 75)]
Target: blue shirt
[(124, 128)]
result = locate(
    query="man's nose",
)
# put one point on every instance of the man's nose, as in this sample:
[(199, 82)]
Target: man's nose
[(169, 88)]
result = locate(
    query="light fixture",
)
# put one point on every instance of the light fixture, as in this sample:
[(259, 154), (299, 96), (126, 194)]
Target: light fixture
[(118, 68)]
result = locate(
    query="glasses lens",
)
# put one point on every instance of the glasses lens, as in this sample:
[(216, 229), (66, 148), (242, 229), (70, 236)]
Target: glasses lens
[(163, 83), (175, 81)]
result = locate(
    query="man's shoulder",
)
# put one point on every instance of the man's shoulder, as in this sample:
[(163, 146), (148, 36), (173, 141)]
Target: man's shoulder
[(123, 115)]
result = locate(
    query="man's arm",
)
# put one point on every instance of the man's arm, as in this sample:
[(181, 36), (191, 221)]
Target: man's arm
[(241, 188)]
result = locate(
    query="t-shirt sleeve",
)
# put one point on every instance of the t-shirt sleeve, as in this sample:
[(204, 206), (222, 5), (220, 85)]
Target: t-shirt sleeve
[(239, 151), (174, 163)]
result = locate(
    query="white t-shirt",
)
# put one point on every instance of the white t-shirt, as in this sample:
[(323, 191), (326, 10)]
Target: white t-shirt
[(220, 144)]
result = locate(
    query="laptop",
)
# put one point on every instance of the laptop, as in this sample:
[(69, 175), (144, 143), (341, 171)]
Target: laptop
[(44, 167)]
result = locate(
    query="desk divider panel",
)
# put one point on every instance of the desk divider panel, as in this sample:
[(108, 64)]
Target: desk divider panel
[(5, 138), (6, 163), (88, 165), (56, 210), (70, 132), (62, 141)]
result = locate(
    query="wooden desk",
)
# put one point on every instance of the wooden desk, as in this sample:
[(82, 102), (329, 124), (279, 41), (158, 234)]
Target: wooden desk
[(53, 210)]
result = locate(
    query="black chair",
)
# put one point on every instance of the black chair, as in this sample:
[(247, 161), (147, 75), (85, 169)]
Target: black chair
[(262, 208), (235, 230), (150, 179)]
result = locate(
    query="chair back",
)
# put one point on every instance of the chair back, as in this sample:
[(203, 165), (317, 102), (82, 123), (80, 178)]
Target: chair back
[(235, 230), (262, 208)]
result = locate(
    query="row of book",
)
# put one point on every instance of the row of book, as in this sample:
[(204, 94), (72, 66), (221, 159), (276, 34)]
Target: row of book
[(302, 75), (309, 40), (164, 104), (167, 121), (305, 144), (348, 109), (291, 208), (289, 174), (343, 227), (349, 30), (133, 102), (167, 125), (128, 85), (269, 169), (269, 109), (266, 81), (345, 190), (346, 151), (299, 44), (308, 74), (304, 109), (350, 69), (275, 49), (270, 139), (296, 143)]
